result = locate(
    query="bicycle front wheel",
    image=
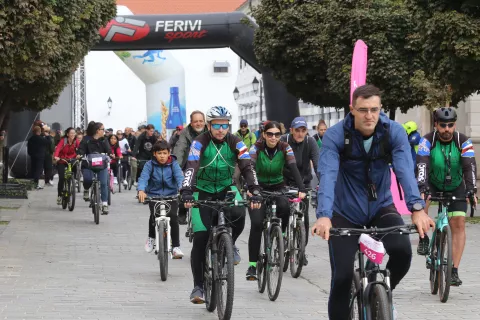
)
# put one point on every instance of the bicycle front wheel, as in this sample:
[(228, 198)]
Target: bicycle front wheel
[(78, 179), (226, 276), (120, 178), (297, 251), (162, 250), (210, 285), (433, 263), (445, 262), (71, 193), (379, 305), (275, 262), (96, 203), (262, 264), (355, 301)]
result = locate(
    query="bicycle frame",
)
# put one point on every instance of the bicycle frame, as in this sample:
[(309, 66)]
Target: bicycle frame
[(442, 221), (295, 215), (162, 216)]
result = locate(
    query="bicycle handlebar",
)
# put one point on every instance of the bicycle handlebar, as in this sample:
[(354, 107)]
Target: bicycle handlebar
[(290, 193), (405, 229), (221, 203), (159, 199)]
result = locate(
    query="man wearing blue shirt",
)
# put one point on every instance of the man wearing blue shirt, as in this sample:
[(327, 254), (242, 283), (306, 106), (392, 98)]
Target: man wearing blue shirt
[(354, 191)]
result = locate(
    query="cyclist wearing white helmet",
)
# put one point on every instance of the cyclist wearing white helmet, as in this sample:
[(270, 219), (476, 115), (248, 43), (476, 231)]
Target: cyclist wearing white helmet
[(210, 167)]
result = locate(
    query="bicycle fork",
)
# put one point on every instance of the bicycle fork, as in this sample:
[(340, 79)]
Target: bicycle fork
[(163, 217)]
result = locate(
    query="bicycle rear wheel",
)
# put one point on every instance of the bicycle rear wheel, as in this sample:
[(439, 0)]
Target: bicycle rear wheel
[(162, 250), (120, 178), (226, 277), (79, 178), (97, 202), (355, 301), (297, 251), (275, 262), (71, 193), (379, 305), (290, 245), (210, 285), (445, 269), (262, 264)]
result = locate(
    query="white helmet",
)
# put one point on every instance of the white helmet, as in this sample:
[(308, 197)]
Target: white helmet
[(218, 113)]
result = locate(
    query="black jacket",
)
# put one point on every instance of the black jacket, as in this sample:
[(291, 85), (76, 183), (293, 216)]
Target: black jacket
[(37, 146), (90, 145), (305, 152), (144, 146), (132, 140)]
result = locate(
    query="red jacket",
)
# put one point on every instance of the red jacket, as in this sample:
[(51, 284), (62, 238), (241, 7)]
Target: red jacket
[(66, 151), (116, 151)]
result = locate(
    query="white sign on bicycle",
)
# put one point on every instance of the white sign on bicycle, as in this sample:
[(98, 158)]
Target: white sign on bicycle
[(372, 248)]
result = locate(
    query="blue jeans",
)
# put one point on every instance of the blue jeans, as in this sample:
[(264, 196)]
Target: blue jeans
[(102, 176)]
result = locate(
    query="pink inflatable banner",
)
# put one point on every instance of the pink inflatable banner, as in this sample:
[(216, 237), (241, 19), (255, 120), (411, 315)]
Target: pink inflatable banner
[(394, 188), (359, 67)]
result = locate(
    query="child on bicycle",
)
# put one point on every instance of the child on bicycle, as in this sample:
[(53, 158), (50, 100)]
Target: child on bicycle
[(162, 176)]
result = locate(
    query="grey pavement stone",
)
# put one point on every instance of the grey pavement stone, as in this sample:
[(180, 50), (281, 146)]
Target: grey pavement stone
[(56, 264)]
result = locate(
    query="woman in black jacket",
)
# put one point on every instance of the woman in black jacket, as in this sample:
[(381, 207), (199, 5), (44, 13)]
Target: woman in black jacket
[(37, 148)]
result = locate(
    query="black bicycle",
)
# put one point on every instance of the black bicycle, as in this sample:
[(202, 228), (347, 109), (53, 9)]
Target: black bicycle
[(95, 198), (68, 194), (271, 257), (219, 265), (119, 175), (128, 174), (370, 297)]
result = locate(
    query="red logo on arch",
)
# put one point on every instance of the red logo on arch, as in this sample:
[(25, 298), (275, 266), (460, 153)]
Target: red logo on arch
[(123, 29)]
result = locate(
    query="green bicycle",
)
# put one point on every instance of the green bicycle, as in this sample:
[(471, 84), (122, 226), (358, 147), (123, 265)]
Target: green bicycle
[(68, 194)]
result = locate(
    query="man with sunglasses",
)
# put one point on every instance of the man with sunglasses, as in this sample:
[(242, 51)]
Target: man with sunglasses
[(446, 163), (210, 165), (354, 192), (306, 153)]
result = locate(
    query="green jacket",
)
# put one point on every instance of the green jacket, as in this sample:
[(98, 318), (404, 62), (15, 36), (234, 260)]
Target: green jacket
[(249, 138)]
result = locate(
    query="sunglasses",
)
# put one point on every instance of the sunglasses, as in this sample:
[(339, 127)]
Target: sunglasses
[(444, 125), (217, 126), (271, 134)]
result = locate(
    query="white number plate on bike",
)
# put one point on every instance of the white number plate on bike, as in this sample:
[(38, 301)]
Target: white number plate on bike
[(372, 248)]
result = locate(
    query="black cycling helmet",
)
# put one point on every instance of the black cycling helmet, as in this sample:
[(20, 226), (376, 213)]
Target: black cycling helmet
[(445, 114)]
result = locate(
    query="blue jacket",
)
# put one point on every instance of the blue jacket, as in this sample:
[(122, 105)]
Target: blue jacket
[(343, 186), (165, 180)]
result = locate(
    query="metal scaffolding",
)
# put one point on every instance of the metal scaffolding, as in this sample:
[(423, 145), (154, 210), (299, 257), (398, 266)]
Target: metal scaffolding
[(79, 98)]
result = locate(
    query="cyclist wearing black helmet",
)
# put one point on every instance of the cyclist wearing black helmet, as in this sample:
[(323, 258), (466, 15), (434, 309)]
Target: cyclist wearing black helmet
[(446, 162)]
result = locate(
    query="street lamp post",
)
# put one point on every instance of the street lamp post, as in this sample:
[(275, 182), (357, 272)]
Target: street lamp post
[(236, 94), (259, 85), (109, 104)]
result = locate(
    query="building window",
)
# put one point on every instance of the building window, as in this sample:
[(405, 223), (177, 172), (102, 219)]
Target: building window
[(221, 66)]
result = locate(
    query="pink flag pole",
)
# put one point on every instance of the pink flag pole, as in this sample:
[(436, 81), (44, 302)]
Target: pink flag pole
[(359, 67)]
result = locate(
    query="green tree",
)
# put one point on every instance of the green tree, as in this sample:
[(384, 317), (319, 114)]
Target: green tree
[(41, 44), (309, 46), (447, 36)]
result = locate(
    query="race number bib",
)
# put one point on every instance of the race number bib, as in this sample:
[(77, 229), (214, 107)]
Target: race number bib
[(372, 248), (97, 162)]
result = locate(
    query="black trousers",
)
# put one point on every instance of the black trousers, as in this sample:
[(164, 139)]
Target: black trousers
[(200, 238), (174, 227), (37, 164), (342, 257), (257, 216), (48, 168)]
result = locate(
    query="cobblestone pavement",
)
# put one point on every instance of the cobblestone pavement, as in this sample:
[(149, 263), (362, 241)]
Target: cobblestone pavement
[(56, 264)]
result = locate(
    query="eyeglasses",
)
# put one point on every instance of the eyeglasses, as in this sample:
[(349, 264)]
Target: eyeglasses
[(243, 126), (444, 125), (103, 129), (217, 126), (271, 134), (364, 111)]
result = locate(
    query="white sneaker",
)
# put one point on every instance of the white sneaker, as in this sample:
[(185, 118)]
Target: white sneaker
[(177, 253), (135, 184), (125, 183), (149, 245), (115, 181)]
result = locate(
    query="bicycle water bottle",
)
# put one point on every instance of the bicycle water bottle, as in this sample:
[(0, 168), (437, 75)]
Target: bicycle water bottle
[(174, 112)]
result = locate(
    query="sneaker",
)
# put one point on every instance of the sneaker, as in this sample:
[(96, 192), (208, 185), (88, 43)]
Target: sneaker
[(177, 253), (455, 280), (86, 195), (38, 187), (125, 183), (423, 244), (305, 261), (150, 244), (197, 296), (59, 200), (252, 273), (236, 255), (48, 184), (135, 184), (115, 181), (105, 209)]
